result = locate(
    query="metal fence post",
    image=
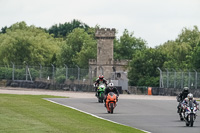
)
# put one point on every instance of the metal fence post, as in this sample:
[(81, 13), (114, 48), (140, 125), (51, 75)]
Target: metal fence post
[(167, 78), (78, 73), (189, 75), (195, 78), (174, 77), (53, 73), (13, 71), (161, 79), (26, 72), (40, 71), (66, 74), (181, 78)]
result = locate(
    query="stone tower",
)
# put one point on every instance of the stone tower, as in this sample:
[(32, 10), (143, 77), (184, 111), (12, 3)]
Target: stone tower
[(105, 39), (104, 62)]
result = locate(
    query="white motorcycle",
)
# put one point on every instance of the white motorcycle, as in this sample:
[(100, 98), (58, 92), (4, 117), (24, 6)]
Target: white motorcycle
[(190, 113)]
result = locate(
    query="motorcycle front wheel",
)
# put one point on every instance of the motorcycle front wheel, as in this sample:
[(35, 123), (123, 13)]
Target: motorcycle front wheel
[(111, 108), (191, 120)]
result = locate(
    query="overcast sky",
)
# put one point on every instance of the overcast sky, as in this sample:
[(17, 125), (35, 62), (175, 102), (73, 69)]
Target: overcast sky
[(155, 21)]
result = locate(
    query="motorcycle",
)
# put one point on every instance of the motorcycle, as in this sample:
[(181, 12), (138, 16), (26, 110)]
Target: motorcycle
[(101, 94), (190, 114), (180, 109), (111, 102)]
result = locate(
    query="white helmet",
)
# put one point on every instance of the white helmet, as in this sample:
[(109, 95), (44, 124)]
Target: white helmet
[(190, 96), (111, 85)]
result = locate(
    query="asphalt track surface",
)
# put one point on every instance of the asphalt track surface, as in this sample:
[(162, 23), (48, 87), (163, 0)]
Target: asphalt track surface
[(155, 116)]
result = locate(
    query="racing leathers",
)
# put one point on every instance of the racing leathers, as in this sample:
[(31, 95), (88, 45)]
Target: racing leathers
[(186, 102), (107, 90)]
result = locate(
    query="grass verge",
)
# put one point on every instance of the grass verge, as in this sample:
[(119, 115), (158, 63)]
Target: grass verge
[(32, 114)]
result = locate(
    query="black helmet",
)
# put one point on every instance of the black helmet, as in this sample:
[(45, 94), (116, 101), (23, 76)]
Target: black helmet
[(185, 88)]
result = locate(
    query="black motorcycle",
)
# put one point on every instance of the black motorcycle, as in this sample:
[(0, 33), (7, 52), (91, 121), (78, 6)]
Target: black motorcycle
[(180, 109)]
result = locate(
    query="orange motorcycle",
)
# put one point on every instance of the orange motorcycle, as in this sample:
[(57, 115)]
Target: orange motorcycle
[(111, 102)]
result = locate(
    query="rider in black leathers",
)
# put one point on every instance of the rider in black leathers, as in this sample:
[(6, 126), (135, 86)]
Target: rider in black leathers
[(110, 88), (181, 97)]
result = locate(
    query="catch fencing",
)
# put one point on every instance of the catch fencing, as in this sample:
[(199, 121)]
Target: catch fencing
[(171, 78), (52, 77), (51, 74)]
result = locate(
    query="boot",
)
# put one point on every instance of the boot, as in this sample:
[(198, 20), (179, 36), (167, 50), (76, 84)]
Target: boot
[(178, 110)]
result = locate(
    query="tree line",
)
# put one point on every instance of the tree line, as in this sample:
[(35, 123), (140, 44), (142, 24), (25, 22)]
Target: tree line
[(73, 43)]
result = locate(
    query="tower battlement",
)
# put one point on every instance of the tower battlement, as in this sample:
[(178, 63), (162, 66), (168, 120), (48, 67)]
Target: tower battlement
[(105, 33), (121, 62), (92, 61)]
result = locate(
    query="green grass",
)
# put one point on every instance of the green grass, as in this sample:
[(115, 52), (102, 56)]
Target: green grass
[(32, 114)]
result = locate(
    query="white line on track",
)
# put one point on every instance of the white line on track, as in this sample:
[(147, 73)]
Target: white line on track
[(92, 114)]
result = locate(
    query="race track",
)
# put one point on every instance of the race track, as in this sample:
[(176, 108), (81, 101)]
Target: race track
[(156, 116)]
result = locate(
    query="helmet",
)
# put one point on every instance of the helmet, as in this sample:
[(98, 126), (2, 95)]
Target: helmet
[(101, 77), (111, 85), (190, 96), (185, 88)]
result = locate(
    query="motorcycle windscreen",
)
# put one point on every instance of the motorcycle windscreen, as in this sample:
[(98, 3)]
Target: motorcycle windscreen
[(191, 104)]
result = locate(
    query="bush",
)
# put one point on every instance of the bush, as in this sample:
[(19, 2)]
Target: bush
[(5, 73), (72, 78), (60, 79)]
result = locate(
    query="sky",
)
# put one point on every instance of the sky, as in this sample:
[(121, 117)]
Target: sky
[(155, 21)]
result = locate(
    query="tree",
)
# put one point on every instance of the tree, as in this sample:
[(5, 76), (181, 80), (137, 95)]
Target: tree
[(195, 56), (182, 53), (190, 36), (125, 47), (3, 29), (143, 67), (176, 54), (79, 48), (62, 30), (22, 43)]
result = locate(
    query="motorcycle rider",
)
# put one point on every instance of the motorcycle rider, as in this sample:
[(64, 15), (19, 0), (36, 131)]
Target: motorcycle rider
[(108, 89), (181, 97), (99, 81), (187, 99)]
